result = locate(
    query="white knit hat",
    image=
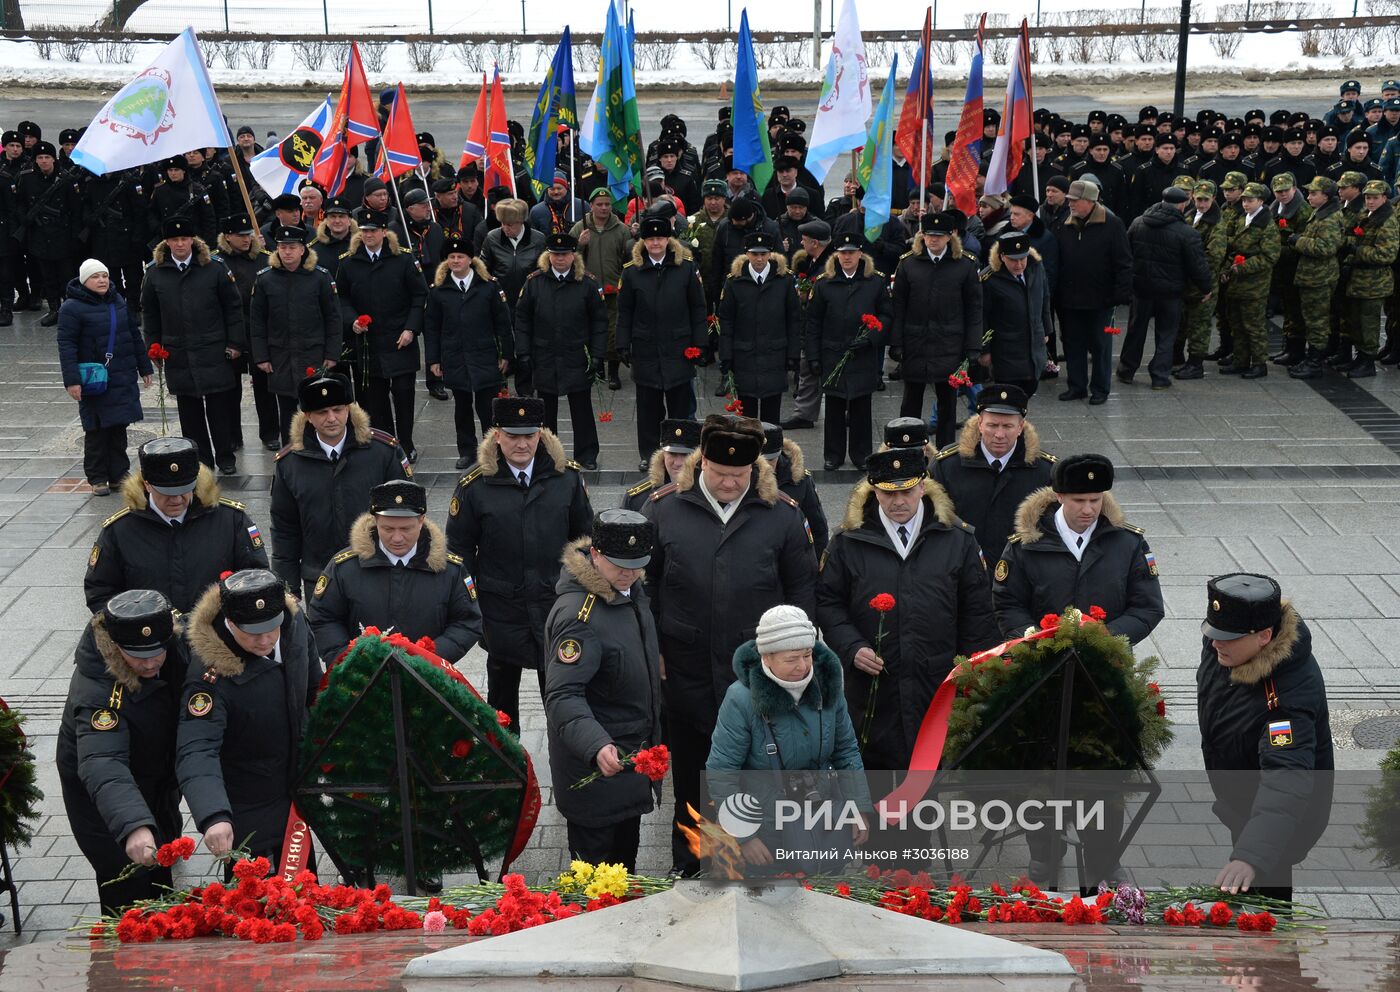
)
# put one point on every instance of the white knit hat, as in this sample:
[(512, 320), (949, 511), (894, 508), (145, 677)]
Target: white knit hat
[(89, 269), (784, 628)]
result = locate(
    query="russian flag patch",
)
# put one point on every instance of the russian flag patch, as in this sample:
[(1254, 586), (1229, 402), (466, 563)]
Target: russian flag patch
[(255, 536), (470, 583), (1151, 563), (1281, 733)]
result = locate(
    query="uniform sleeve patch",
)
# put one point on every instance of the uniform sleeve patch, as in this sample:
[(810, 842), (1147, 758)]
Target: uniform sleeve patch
[(321, 584), (255, 536), (92, 558), (569, 651), (454, 507), (200, 704), (104, 720), (1151, 560), (1280, 733), (1002, 571), (470, 583)]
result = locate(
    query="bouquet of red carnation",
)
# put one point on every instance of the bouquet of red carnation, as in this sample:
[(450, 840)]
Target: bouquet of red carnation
[(869, 325), (881, 603), (599, 384), (1359, 231), (731, 395), (1239, 260), (960, 378), (1110, 329), (158, 355), (177, 850), (692, 353), (653, 762)]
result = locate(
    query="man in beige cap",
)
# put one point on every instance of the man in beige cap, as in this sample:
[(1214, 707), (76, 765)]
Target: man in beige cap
[(1096, 275)]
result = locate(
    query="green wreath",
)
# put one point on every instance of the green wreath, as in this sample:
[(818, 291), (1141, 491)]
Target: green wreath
[(365, 829), (1381, 826), (989, 686), (19, 795)]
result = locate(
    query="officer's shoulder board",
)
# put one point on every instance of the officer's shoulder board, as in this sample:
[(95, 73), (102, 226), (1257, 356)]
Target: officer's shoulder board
[(282, 453), (267, 268), (1014, 539), (470, 477), (947, 452), (116, 516), (383, 437), (455, 559), (1136, 530), (665, 490), (533, 274), (640, 488), (971, 257), (789, 500), (574, 465), (628, 264), (586, 610), (341, 556), (225, 501), (908, 254)]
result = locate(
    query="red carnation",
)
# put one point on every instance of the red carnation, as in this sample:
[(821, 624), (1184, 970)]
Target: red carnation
[(1097, 613), (461, 748), (1239, 259), (1161, 706), (503, 394), (871, 322), (310, 371), (1050, 621), (1113, 330), (605, 417), (426, 643), (653, 762), (1220, 914), (692, 353), (158, 353), (1283, 223), (1192, 915), (1358, 230), (503, 718), (364, 320), (882, 603), (224, 574)]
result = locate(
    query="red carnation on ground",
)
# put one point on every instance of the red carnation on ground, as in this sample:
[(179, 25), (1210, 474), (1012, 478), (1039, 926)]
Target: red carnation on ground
[(882, 603), (692, 353), (1192, 915)]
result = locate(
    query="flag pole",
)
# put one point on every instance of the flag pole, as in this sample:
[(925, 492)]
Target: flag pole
[(1030, 103), (573, 193), (426, 189), (243, 187)]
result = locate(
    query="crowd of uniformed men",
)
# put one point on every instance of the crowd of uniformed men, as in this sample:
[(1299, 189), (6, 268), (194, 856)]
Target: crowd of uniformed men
[(204, 652)]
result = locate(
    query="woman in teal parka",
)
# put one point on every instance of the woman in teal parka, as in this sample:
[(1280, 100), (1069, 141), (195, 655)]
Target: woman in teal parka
[(785, 716)]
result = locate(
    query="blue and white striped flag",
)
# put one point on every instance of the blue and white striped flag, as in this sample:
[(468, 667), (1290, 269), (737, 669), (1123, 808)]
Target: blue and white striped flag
[(282, 167)]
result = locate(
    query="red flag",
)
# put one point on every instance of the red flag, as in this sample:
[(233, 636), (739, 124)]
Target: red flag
[(915, 135), (488, 139), (966, 156), (478, 134), (398, 152), (354, 123)]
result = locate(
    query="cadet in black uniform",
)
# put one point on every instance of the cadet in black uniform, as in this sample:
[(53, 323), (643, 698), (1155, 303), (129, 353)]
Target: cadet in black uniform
[(510, 518), (175, 534), (48, 207), (995, 465), (1071, 547), (793, 478), (116, 744), (397, 572), (678, 439), (252, 678), (1262, 706), (602, 691), (323, 479)]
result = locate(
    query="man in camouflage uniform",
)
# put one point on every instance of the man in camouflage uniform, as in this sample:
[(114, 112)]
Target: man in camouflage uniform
[(1230, 189), (1371, 248), (1253, 252), (1291, 215), (1316, 277), (1339, 344), (1209, 223)]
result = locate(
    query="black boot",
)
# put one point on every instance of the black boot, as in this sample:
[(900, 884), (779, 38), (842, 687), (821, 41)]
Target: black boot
[(1311, 367), (1255, 372), (1342, 357), (613, 381), (1228, 366), (1193, 369), (1389, 356), (50, 318), (1364, 367), (1291, 355), (7, 316)]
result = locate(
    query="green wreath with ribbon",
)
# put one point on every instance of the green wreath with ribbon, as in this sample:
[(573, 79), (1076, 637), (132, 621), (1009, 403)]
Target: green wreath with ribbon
[(19, 793), (989, 684), (365, 828)]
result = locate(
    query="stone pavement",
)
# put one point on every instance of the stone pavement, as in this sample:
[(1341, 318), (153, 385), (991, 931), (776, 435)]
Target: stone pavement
[(1278, 475)]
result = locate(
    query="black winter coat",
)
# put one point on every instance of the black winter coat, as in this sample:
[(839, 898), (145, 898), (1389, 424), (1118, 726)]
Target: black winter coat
[(560, 325), (661, 313), (244, 267), (709, 583), (9, 215), (1147, 183), (511, 539), (983, 497), (1017, 317), (186, 199), (116, 216), (468, 333), (834, 324), (117, 742), (390, 291), (1096, 263), (790, 469), (1167, 254), (432, 596), (137, 549), (943, 608), (294, 321), (85, 324), (760, 327), (314, 501), (1268, 715), (937, 312), (728, 245), (510, 264), (197, 316), (329, 248), (887, 249), (49, 211), (602, 686), (241, 724), (1037, 574)]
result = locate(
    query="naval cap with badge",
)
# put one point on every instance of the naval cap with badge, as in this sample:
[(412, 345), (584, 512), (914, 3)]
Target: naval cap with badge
[(139, 621), (896, 469), (906, 432), (1082, 474), (730, 440), (398, 498), (517, 414), (169, 465), (252, 600), (324, 389), (680, 437), (997, 397), (1241, 603), (624, 537)]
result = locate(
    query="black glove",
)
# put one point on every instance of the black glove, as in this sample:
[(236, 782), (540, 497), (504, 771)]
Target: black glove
[(1346, 249), (860, 344), (1292, 238), (725, 367), (706, 359), (897, 354), (814, 370), (624, 355), (794, 364), (595, 370), (521, 365)]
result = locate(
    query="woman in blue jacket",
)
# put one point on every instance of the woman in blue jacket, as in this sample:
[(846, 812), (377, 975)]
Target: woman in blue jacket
[(93, 313)]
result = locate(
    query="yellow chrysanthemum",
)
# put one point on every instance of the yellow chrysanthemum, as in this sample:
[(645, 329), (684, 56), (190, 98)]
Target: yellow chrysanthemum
[(609, 879)]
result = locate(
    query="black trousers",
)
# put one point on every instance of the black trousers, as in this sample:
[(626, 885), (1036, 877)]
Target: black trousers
[(1165, 314), (945, 399), (389, 403), (1085, 341), (614, 844), (126, 279), (768, 409), (269, 419), (581, 416), (104, 454), (503, 688), (463, 402), (690, 749), (54, 274), (654, 406), (9, 272), (211, 422), (107, 855), (286, 410), (847, 428)]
